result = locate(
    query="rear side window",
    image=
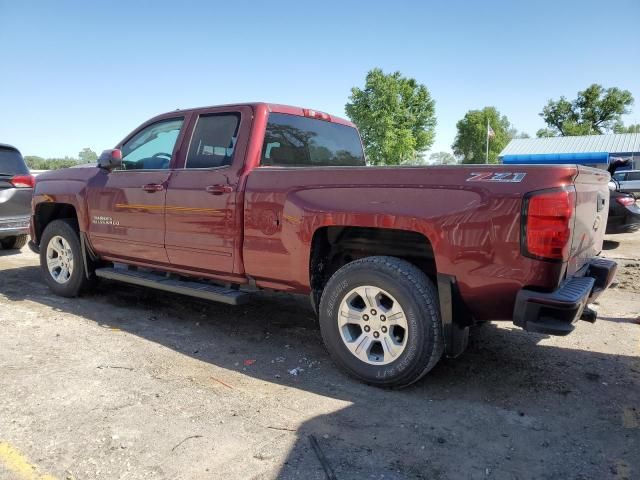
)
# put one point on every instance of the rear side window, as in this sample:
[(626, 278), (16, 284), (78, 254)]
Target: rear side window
[(213, 141), (633, 176), (294, 141), (11, 162)]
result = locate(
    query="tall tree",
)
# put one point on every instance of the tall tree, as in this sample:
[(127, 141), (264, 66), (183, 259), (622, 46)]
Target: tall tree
[(622, 128), (596, 110), (395, 116), (471, 141), (87, 155), (442, 158)]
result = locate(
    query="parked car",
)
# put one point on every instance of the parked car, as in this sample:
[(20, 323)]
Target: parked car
[(629, 180), (399, 262), (16, 187), (624, 213)]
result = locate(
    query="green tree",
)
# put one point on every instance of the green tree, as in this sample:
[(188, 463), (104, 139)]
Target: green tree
[(87, 155), (595, 111), (38, 163), (622, 128), (514, 133), (471, 140), (442, 158), (395, 116)]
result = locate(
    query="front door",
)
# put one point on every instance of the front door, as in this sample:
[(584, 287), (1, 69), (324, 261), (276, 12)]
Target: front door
[(203, 221), (127, 206)]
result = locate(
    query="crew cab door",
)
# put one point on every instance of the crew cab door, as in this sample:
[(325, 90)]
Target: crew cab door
[(204, 204), (127, 206)]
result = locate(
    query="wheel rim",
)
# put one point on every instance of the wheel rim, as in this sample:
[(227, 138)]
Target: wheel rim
[(59, 259), (373, 325)]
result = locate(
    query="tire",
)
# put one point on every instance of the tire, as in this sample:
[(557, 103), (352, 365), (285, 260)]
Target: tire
[(396, 285), (59, 234), (14, 243)]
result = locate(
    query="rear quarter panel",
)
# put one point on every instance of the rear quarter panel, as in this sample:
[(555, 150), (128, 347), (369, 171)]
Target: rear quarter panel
[(473, 226)]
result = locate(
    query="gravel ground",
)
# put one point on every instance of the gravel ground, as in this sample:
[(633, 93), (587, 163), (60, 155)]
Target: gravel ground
[(127, 383)]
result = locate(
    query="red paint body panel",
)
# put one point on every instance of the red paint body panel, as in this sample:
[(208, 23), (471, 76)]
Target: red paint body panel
[(263, 227)]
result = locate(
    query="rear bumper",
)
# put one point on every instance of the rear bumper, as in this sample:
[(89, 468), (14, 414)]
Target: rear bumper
[(11, 226), (555, 313)]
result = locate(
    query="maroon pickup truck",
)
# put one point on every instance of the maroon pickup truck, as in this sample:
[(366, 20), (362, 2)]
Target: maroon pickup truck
[(399, 262)]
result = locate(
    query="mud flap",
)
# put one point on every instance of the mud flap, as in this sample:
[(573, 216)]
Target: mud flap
[(455, 317)]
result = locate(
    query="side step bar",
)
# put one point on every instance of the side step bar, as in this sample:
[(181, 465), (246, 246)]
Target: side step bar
[(168, 284)]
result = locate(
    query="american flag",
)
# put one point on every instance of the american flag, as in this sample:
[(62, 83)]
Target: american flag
[(490, 132)]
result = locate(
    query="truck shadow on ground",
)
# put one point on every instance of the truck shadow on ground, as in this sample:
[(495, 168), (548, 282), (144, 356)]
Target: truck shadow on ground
[(507, 405)]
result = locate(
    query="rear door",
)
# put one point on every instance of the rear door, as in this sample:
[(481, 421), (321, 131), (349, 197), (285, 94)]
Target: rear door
[(127, 205), (204, 206)]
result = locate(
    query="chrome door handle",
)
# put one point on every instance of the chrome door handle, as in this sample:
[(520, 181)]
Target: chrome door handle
[(153, 187), (219, 189)]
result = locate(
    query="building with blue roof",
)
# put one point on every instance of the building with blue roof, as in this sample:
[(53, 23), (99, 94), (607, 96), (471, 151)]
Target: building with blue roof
[(594, 150)]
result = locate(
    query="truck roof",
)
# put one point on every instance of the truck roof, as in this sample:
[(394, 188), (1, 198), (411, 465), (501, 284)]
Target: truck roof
[(269, 107)]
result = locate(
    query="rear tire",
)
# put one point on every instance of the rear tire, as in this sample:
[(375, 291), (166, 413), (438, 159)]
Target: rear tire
[(61, 259), (386, 352), (14, 243)]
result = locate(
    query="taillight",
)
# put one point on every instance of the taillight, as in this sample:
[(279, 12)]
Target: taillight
[(626, 201), (23, 181), (548, 223), (316, 114)]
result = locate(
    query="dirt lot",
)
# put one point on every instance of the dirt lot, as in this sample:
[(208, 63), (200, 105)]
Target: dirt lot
[(129, 384)]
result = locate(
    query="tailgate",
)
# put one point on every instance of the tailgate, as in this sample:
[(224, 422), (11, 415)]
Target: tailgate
[(592, 209)]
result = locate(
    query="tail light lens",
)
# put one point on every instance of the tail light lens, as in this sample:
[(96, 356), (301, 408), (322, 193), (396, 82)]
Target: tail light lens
[(23, 181), (626, 201), (548, 224)]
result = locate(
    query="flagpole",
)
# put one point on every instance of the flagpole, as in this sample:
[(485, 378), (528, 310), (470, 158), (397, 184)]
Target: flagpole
[(487, 154)]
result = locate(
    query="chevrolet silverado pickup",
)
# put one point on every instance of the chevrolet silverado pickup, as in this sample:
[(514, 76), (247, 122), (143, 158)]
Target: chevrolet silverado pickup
[(399, 262)]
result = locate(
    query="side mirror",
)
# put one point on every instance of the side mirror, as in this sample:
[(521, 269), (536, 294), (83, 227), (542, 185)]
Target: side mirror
[(110, 159), (612, 186)]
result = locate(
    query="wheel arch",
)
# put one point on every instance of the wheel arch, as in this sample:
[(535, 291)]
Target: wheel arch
[(334, 246), (46, 212)]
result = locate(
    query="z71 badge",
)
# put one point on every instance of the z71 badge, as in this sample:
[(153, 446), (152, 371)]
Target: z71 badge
[(507, 177)]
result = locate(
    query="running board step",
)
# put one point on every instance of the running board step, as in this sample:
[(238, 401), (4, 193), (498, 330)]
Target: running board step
[(191, 288)]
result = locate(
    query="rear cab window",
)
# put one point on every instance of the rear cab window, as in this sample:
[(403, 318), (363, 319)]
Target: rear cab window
[(11, 162), (295, 141)]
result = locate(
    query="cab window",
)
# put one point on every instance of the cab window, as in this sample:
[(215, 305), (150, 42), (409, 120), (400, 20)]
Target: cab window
[(214, 140), (294, 141), (152, 147)]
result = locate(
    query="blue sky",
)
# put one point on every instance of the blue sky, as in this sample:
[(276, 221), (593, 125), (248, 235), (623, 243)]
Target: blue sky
[(77, 74)]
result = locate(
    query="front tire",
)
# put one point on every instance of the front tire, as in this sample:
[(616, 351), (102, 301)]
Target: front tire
[(14, 243), (380, 321), (61, 259)]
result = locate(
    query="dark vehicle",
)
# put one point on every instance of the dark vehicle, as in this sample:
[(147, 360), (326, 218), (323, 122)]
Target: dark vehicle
[(624, 213), (218, 202), (16, 188)]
